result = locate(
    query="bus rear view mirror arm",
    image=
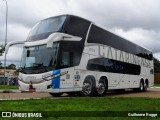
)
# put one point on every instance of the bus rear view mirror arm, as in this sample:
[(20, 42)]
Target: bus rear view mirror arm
[(61, 37), (12, 43)]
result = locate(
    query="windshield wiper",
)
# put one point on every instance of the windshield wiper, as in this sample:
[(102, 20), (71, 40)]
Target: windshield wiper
[(40, 65), (37, 65)]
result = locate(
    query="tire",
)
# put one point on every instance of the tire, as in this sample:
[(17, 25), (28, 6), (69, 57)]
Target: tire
[(141, 86), (88, 88), (145, 86), (102, 87), (56, 94)]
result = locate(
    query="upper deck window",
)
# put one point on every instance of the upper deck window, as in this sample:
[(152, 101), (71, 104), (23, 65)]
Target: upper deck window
[(46, 27)]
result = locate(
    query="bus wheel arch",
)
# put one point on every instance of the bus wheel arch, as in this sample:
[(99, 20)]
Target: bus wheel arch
[(102, 86), (89, 86)]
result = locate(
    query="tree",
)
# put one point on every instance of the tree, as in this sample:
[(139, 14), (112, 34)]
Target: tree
[(156, 65), (11, 66), (2, 48)]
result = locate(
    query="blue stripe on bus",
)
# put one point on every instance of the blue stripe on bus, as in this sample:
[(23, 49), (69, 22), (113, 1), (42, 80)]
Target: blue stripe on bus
[(56, 81)]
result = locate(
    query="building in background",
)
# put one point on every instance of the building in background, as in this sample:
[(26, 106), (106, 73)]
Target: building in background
[(11, 77)]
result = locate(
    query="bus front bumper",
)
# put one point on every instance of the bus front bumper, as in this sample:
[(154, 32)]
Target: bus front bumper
[(40, 87)]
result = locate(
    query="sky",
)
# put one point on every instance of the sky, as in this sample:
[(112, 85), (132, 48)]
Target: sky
[(135, 20)]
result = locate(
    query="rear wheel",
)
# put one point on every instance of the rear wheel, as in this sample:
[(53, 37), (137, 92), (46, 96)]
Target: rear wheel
[(56, 94), (141, 87), (145, 86), (102, 87)]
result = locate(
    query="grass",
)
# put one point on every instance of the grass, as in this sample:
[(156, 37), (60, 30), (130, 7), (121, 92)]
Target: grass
[(8, 87), (157, 84), (84, 106)]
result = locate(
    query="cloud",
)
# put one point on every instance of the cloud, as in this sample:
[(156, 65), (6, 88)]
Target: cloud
[(136, 20), (125, 14), (141, 37), (23, 14), (15, 32)]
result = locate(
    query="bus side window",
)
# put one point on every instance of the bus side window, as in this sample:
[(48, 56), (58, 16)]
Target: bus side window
[(66, 59)]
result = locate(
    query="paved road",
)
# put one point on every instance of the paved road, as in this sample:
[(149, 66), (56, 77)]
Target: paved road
[(13, 96), (152, 92)]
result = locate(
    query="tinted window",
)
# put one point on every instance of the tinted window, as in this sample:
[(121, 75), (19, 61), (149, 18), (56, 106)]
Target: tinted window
[(69, 54), (113, 66), (46, 27), (101, 36), (66, 59), (39, 59), (76, 26)]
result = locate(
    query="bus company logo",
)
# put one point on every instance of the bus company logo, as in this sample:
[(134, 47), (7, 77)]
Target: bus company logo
[(6, 114)]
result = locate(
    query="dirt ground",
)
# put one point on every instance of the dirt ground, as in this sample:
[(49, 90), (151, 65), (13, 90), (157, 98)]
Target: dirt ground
[(151, 92)]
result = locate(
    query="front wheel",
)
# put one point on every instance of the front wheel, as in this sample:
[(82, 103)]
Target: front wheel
[(88, 88), (56, 94)]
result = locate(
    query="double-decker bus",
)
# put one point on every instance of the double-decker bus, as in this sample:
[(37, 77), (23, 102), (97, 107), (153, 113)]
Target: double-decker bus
[(69, 54)]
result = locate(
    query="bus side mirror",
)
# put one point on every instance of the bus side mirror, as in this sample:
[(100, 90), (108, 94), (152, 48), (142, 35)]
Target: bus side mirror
[(54, 37), (12, 43)]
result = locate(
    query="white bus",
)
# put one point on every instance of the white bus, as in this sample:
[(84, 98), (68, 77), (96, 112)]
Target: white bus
[(69, 54)]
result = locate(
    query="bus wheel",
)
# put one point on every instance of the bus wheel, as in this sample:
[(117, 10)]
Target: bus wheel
[(141, 87), (56, 94), (88, 88), (102, 87), (145, 86)]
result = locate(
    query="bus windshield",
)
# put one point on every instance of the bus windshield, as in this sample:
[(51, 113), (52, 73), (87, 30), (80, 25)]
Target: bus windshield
[(46, 27), (39, 59)]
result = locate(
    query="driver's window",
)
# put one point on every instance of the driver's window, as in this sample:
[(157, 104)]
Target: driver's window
[(66, 59)]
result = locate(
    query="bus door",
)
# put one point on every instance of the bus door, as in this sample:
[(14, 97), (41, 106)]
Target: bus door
[(67, 70), (66, 79)]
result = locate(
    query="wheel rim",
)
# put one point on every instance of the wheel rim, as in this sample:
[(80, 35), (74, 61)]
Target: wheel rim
[(87, 87), (101, 88), (141, 86)]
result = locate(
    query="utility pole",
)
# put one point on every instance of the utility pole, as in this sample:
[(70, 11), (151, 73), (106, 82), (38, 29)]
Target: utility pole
[(5, 41)]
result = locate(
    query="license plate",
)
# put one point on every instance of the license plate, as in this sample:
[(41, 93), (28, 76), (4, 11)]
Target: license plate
[(32, 89)]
